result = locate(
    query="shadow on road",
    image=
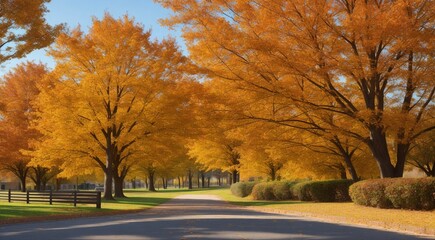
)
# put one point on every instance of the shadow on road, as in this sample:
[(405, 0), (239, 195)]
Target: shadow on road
[(192, 218)]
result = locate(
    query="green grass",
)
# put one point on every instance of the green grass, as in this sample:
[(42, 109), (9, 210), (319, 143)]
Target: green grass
[(136, 200)]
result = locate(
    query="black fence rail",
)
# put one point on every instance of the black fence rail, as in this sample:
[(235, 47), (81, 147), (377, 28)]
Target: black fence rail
[(51, 197)]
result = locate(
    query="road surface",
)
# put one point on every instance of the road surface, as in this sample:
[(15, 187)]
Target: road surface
[(193, 217)]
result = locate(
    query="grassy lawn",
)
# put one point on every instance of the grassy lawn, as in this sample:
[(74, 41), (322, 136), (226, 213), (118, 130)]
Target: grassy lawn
[(417, 221), (136, 200)]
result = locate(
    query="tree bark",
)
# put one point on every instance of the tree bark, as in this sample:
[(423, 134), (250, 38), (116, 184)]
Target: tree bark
[(189, 179), (164, 183), (202, 179), (151, 173), (108, 173), (133, 183), (234, 176), (119, 186), (379, 147), (342, 171), (402, 153), (351, 168)]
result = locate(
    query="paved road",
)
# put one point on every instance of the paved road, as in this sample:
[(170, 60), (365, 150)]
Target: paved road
[(192, 217)]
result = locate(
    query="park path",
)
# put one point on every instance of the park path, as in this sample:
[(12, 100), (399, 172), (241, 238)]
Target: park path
[(192, 217)]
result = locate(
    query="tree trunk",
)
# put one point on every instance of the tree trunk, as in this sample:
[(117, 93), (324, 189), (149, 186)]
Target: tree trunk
[(208, 182), (272, 173), (342, 171), (133, 183), (379, 147), (202, 179), (23, 182), (119, 186), (146, 183), (179, 183), (20, 170), (108, 181), (152, 186), (189, 179), (401, 154), (164, 183), (234, 176), (108, 175), (350, 168)]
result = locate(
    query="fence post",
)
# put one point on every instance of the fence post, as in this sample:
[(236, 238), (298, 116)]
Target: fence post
[(9, 195), (75, 198), (28, 197), (98, 199), (51, 197)]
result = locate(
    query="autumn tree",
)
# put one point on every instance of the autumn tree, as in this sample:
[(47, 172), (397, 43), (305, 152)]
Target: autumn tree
[(23, 28), (105, 96), (217, 152), (17, 92), (368, 63), (422, 155), (41, 175)]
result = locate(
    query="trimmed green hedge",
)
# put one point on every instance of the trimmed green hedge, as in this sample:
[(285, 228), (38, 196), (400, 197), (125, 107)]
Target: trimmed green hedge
[(406, 193), (263, 191), (323, 191), (300, 191), (277, 190), (320, 191), (242, 189)]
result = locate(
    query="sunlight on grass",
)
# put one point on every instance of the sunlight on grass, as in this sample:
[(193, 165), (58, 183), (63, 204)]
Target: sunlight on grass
[(136, 200)]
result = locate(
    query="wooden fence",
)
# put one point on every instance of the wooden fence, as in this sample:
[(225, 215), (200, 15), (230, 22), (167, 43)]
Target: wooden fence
[(51, 197)]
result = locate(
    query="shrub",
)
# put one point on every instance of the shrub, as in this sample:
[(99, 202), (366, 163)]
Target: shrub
[(300, 191), (407, 193), (371, 193), (242, 189), (330, 191), (281, 190), (412, 193), (323, 191), (263, 191), (290, 185)]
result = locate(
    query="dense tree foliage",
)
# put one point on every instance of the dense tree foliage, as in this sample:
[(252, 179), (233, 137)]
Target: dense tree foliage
[(19, 90), (368, 64), (271, 90), (23, 28)]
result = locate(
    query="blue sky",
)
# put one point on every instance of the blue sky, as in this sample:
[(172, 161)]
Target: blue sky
[(75, 12)]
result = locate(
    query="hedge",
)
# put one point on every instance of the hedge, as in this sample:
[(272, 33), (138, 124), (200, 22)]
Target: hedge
[(263, 191), (242, 189), (405, 193), (300, 191), (323, 191)]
